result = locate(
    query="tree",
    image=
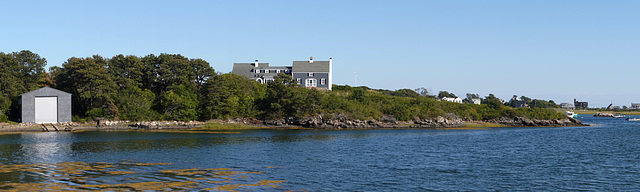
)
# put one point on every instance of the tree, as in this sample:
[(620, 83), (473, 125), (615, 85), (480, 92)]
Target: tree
[(230, 96), (174, 69), (31, 68), (127, 70), (280, 98), (472, 96), (444, 94), (20, 72), (525, 99), (423, 91), (202, 71), (135, 104), (536, 103), (180, 103), (90, 84), (405, 93), (493, 102)]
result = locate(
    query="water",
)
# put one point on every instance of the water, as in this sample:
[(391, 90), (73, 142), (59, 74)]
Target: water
[(605, 157)]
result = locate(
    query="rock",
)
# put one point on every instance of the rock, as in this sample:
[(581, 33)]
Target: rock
[(440, 119), (388, 119), (603, 115)]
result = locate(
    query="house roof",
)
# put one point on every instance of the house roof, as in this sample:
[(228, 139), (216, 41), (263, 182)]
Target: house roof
[(307, 67), (46, 91), (246, 69)]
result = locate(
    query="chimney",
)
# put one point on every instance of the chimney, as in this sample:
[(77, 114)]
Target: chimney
[(256, 65), (310, 59)]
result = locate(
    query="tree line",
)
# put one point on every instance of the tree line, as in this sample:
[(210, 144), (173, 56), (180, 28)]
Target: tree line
[(174, 87)]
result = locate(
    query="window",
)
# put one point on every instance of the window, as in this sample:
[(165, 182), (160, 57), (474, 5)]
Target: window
[(310, 74), (259, 80), (323, 81), (311, 83), (256, 70), (299, 81), (278, 71), (266, 71), (287, 71)]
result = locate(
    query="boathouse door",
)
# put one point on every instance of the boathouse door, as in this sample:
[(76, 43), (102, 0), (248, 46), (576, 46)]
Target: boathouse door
[(46, 109)]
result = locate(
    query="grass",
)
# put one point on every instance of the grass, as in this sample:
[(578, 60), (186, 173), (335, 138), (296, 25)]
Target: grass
[(214, 126), (484, 125)]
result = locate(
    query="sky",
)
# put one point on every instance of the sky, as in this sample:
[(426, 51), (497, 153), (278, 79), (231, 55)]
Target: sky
[(544, 49)]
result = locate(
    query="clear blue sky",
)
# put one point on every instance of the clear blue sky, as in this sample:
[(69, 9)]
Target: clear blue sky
[(558, 50)]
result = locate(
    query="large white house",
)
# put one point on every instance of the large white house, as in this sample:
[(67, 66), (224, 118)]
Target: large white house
[(310, 74)]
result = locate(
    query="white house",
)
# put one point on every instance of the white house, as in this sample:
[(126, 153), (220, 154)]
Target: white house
[(455, 100)]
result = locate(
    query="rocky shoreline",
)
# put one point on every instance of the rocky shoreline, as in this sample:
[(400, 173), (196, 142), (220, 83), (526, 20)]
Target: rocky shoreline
[(338, 121), (451, 121)]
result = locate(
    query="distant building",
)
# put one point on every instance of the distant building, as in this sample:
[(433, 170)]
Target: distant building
[(580, 105), (45, 105), (310, 74), (476, 101), (517, 103), (451, 99), (567, 106), (635, 106), (520, 104)]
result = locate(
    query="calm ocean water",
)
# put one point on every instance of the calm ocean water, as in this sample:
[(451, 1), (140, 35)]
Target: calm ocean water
[(604, 157)]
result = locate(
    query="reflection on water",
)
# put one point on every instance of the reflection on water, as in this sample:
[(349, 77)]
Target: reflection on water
[(45, 147), (126, 176)]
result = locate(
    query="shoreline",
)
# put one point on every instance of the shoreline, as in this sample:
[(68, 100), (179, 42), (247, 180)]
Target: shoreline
[(310, 123)]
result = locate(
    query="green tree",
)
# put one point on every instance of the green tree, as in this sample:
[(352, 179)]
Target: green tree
[(280, 97), (20, 72), (201, 70), (179, 103), (31, 68), (444, 94), (127, 70), (493, 102), (135, 104), (405, 93), (423, 91), (90, 84), (174, 69), (230, 96), (525, 99)]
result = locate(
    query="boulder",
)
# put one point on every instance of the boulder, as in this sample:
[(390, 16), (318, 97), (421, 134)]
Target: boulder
[(603, 115)]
